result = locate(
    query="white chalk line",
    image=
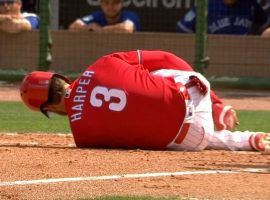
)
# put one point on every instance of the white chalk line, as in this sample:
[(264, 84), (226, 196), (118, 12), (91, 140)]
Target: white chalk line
[(111, 177)]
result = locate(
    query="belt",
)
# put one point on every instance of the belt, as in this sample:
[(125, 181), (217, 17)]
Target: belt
[(183, 89), (185, 127), (194, 81)]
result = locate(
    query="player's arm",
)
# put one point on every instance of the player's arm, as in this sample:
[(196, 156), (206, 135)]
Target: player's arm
[(34, 21), (4, 17), (123, 27), (79, 25), (15, 24), (153, 60), (129, 23), (86, 23)]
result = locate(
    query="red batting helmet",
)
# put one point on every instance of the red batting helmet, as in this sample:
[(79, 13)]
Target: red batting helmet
[(35, 88)]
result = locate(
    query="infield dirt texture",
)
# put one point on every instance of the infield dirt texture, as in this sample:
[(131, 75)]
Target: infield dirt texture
[(44, 161)]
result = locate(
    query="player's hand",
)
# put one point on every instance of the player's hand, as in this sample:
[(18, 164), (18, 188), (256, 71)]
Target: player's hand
[(94, 27), (225, 117)]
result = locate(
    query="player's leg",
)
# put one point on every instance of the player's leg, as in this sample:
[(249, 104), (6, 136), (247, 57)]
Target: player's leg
[(199, 134), (201, 127), (240, 141)]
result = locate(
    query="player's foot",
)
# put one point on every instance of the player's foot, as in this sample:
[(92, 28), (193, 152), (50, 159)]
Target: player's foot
[(260, 142), (225, 117)]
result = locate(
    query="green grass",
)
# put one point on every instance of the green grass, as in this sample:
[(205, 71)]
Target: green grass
[(254, 120), (17, 75), (16, 118)]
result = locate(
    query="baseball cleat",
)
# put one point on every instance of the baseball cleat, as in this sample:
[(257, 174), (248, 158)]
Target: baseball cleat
[(260, 142)]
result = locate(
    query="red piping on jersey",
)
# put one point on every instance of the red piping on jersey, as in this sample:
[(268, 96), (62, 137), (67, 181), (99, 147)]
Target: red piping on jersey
[(201, 87), (185, 127), (183, 133)]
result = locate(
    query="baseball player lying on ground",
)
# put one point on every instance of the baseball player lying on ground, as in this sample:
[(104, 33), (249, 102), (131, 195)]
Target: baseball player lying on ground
[(140, 99)]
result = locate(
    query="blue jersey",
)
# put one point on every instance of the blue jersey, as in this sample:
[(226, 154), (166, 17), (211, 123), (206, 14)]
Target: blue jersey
[(237, 19), (33, 19), (99, 18)]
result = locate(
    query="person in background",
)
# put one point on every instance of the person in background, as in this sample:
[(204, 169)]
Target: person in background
[(12, 20), (236, 17), (111, 18)]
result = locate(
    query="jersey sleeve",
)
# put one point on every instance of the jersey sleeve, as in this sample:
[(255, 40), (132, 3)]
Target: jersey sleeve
[(187, 23), (92, 18), (33, 19), (154, 60), (132, 17)]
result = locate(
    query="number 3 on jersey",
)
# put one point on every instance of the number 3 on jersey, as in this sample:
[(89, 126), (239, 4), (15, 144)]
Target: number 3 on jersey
[(108, 94)]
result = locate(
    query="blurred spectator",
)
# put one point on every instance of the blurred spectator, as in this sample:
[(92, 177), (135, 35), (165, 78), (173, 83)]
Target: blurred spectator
[(12, 20), (238, 17), (109, 19)]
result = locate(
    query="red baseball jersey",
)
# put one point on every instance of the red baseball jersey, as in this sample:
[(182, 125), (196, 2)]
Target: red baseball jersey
[(117, 103)]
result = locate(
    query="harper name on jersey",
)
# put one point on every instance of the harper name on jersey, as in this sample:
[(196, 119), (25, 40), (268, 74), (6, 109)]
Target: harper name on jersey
[(80, 96)]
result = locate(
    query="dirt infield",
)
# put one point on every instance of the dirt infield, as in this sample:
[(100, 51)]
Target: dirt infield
[(32, 157), (44, 161)]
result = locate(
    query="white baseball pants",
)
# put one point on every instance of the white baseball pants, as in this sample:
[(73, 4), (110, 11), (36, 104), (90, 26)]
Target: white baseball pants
[(201, 134)]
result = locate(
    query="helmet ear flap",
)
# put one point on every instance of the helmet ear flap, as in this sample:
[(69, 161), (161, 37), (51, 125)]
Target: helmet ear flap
[(44, 111)]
